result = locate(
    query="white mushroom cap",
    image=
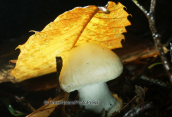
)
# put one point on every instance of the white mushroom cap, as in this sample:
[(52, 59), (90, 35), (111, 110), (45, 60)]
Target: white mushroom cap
[(88, 64)]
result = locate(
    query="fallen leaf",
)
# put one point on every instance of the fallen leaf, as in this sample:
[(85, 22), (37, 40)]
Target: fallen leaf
[(47, 109), (139, 54), (140, 93), (72, 28)]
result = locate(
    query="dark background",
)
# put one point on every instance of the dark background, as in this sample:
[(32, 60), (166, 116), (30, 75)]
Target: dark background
[(17, 18)]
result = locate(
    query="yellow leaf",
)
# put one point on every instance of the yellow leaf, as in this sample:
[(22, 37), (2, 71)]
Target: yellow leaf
[(80, 25)]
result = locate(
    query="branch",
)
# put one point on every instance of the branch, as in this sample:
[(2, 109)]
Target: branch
[(135, 111), (156, 36)]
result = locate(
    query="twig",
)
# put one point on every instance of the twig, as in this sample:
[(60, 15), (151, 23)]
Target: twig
[(8, 54), (58, 67), (135, 111), (156, 36), (141, 8), (140, 75), (156, 81), (114, 114), (20, 100), (171, 51), (129, 102), (24, 103)]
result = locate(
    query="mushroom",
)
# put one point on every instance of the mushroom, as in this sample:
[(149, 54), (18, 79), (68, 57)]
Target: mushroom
[(86, 69)]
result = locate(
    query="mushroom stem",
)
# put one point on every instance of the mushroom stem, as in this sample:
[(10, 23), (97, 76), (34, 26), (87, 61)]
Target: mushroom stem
[(100, 93)]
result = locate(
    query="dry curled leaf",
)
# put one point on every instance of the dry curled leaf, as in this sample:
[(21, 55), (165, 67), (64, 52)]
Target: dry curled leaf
[(140, 93), (72, 28)]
